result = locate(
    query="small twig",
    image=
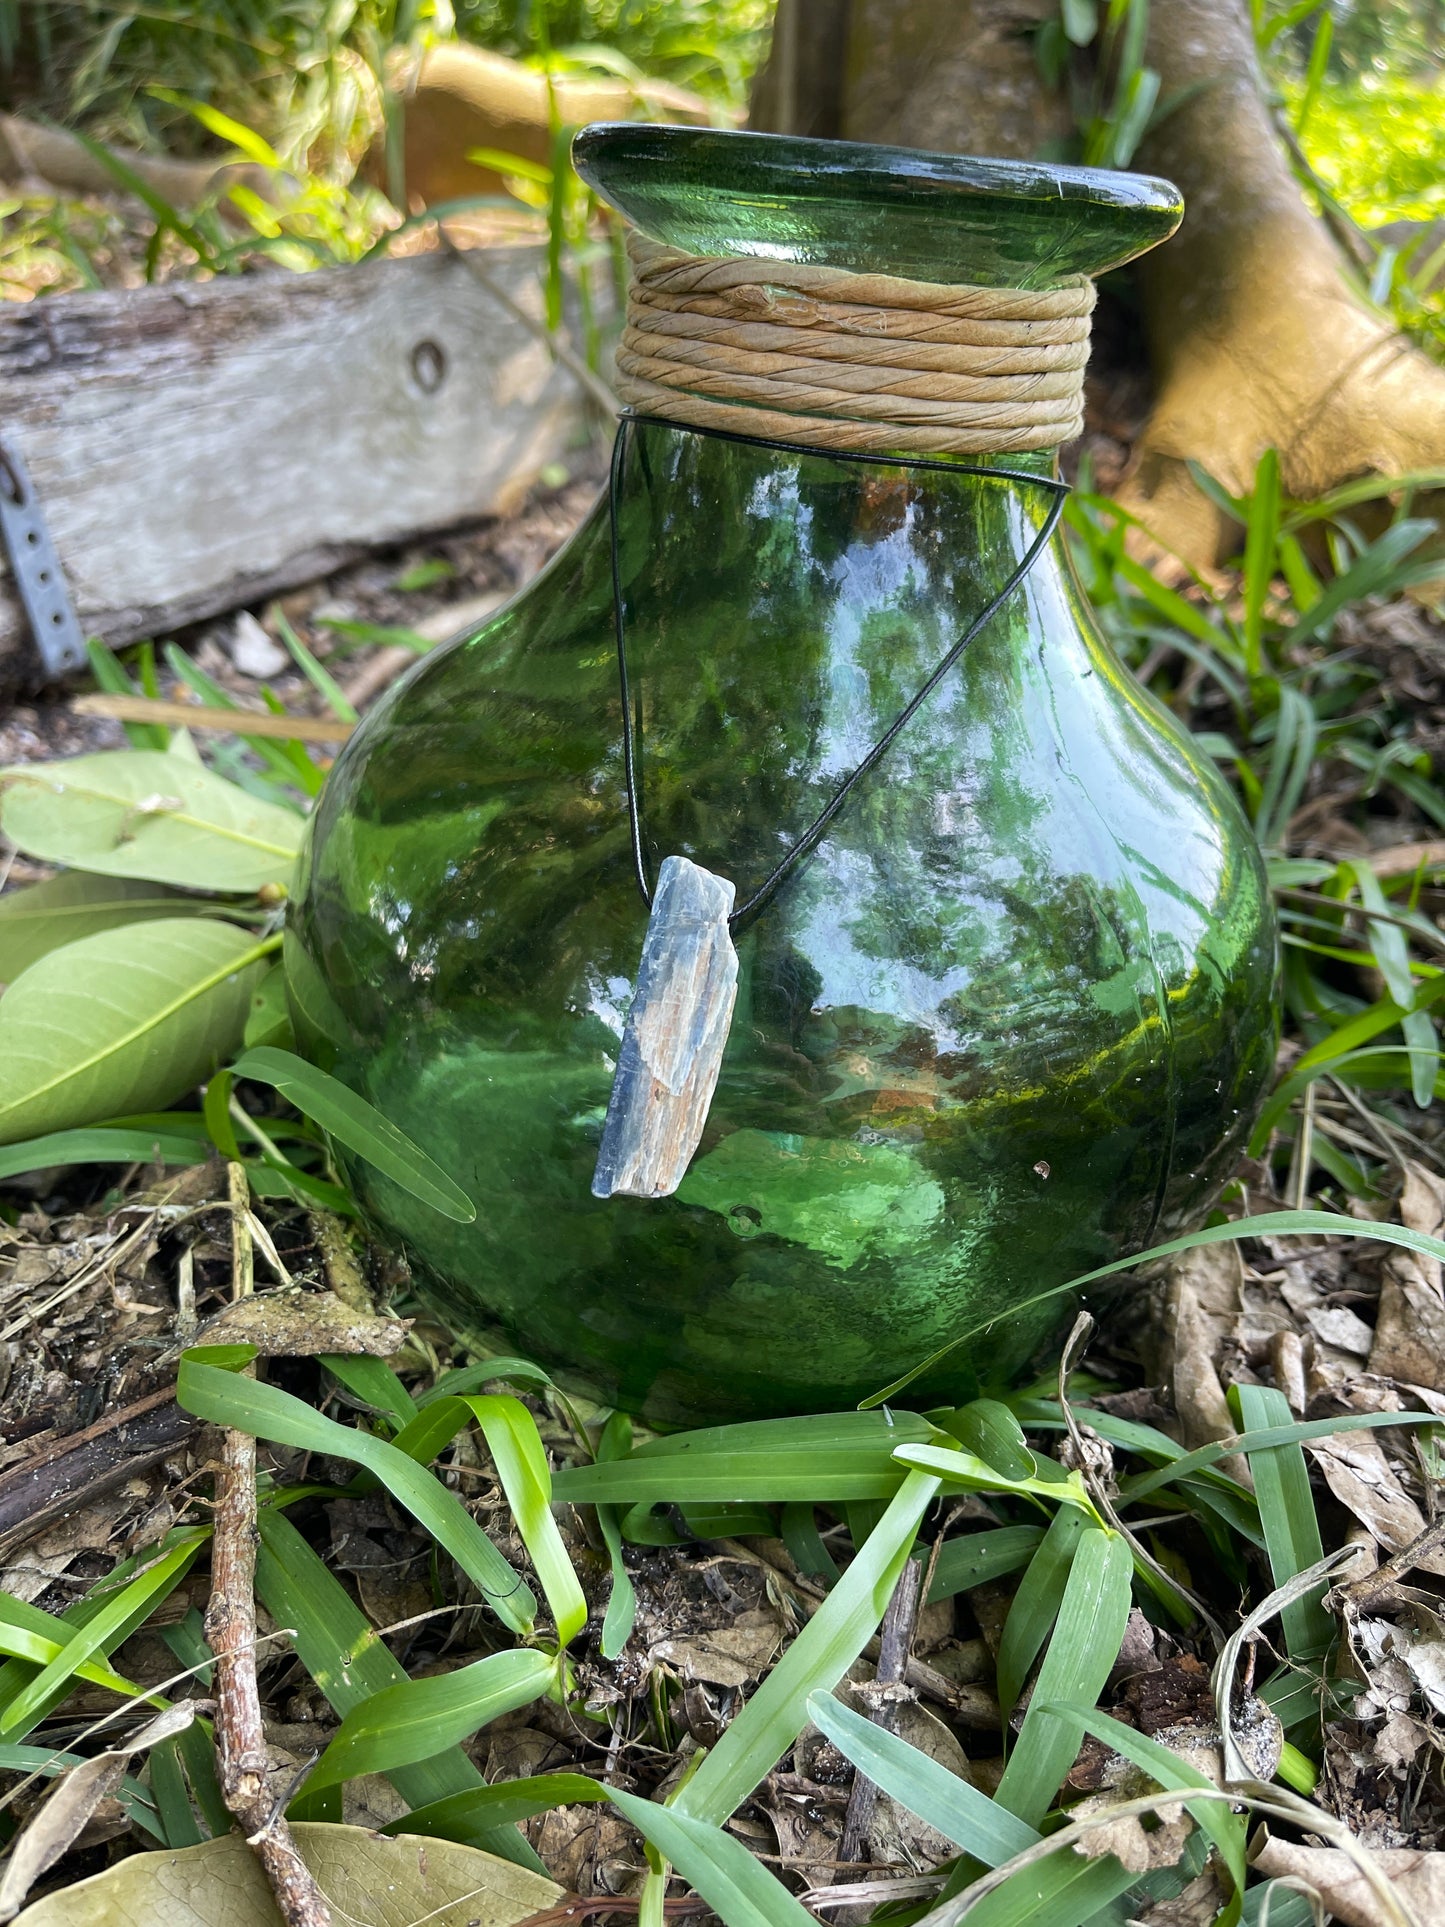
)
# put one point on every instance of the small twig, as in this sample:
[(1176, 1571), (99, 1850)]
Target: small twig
[(1360, 1592), (231, 722), (231, 1630), (895, 1649)]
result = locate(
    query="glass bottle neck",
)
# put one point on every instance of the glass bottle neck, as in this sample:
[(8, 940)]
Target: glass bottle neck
[(771, 523)]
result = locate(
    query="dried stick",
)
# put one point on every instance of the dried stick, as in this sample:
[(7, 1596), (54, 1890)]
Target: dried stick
[(895, 1648), (231, 1629)]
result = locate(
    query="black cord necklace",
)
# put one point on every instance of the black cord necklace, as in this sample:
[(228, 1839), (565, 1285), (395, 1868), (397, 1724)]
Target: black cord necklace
[(752, 907), (677, 1026)]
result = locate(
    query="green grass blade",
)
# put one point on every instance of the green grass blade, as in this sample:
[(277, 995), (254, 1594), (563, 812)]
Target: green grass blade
[(471, 1818), (799, 1529), (111, 677), (1140, 1484), (735, 1884), (475, 1378), (359, 1126), (1287, 1512), (621, 1614), (1059, 1891), (1273, 1224), (265, 1411), (826, 1460), (173, 1803), (1261, 536), (49, 1765), (321, 680), (98, 1146), (143, 1592), (1036, 1604), (977, 1558), (404, 1724), (342, 1652), (373, 1381), (989, 1430), (973, 1822), (516, 1447), (817, 1659), (1081, 1655)]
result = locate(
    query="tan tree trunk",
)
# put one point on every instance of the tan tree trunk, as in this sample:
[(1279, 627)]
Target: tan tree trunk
[(1257, 339)]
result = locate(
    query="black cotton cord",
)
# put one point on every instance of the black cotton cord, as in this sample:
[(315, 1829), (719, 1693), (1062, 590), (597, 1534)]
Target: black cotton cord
[(754, 905)]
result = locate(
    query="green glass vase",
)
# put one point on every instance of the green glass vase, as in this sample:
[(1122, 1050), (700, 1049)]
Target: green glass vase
[(1009, 1022)]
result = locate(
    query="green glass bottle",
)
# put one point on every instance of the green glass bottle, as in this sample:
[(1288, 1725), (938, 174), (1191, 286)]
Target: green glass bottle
[(1011, 1020)]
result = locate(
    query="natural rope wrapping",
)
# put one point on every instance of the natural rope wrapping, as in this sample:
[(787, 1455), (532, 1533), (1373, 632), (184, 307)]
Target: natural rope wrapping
[(869, 363)]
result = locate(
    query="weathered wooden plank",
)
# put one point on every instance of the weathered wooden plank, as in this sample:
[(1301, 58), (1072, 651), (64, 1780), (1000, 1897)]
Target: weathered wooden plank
[(198, 444), (672, 1042)]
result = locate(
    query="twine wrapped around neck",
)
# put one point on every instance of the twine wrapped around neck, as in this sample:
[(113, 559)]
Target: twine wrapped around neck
[(862, 363)]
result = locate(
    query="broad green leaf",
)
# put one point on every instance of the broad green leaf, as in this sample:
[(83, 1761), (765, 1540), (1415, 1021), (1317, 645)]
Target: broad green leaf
[(359, 1126), (1287, 1513), (976, 1558), (268, 1021), (99, 1146), (973, 1822), (126, 1020), (149, 1586), (817, 1659), (716, 1865), (365, 1877), (1081, 1655), (225, 1398), (149, 813), (44, 916), (1035, 1606), (838, 1456), (345, 1656), (421, 1717)]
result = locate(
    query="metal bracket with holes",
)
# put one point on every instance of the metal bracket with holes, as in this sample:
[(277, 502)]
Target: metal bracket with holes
[(36, 567)]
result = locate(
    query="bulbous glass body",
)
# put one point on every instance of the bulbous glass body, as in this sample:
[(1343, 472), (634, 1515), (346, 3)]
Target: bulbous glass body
[(1009, 1022)]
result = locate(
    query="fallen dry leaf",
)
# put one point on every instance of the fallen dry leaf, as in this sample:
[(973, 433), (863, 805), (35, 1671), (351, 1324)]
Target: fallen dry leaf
[(727, 1655), (1410, 1325), (61, 1819), (1358, 1473), (365, 1876), (1417, 1877), (299, 1324), (1200, 1309)]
